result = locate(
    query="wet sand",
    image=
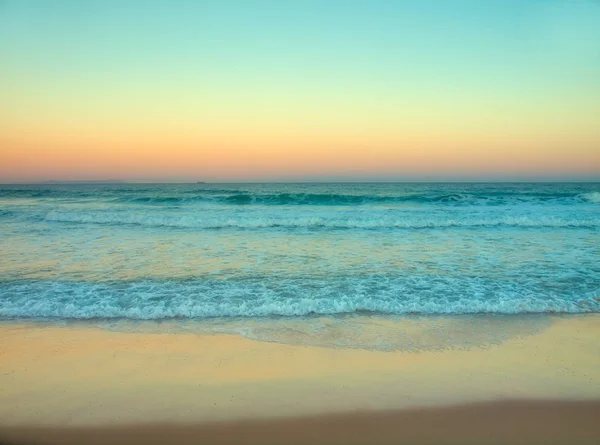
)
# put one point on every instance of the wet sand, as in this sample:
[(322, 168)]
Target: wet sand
[(79, 380), (527, 423)]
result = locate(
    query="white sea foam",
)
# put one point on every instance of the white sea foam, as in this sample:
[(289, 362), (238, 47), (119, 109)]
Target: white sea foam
[(287, 297), (591, 196)]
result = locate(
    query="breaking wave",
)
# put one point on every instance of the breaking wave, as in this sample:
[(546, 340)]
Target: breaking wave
[(333, 199), (224, 196), (206, 298), (328, 221)]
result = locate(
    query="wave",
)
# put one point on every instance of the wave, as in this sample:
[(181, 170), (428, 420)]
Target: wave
[(315, 199), (334, 199), (332, 222), (161, 199), (117, 193), (208, 298), (44, 193), (440, 196), (339, 199), (590, 197)]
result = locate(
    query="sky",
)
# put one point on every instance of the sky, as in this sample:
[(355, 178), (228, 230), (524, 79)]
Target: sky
[(299, 90)]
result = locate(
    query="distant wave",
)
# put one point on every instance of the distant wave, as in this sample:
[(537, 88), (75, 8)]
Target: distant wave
[(42, 193), (332, 222), (121, 193), (242, 197), (161, 199), (333, 199), (591, 196), (154, 299)]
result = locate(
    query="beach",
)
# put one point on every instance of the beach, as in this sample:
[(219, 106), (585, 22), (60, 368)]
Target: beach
[(79, 379)]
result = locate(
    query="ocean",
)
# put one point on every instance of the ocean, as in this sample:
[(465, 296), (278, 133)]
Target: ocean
[(305, 263)]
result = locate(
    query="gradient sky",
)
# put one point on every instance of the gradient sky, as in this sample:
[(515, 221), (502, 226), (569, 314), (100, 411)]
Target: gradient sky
[(299, 90)]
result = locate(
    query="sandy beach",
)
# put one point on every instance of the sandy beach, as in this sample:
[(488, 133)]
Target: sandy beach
[(484, 423), (75, 378)]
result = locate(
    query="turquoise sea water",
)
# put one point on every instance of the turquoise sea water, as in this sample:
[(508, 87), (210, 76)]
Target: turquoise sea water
[(241, 254)]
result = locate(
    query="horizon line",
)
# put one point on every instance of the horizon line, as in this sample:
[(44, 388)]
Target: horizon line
[(120, 182)]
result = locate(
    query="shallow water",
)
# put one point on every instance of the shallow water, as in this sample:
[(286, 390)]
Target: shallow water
[(257, 258), (409, 333)]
